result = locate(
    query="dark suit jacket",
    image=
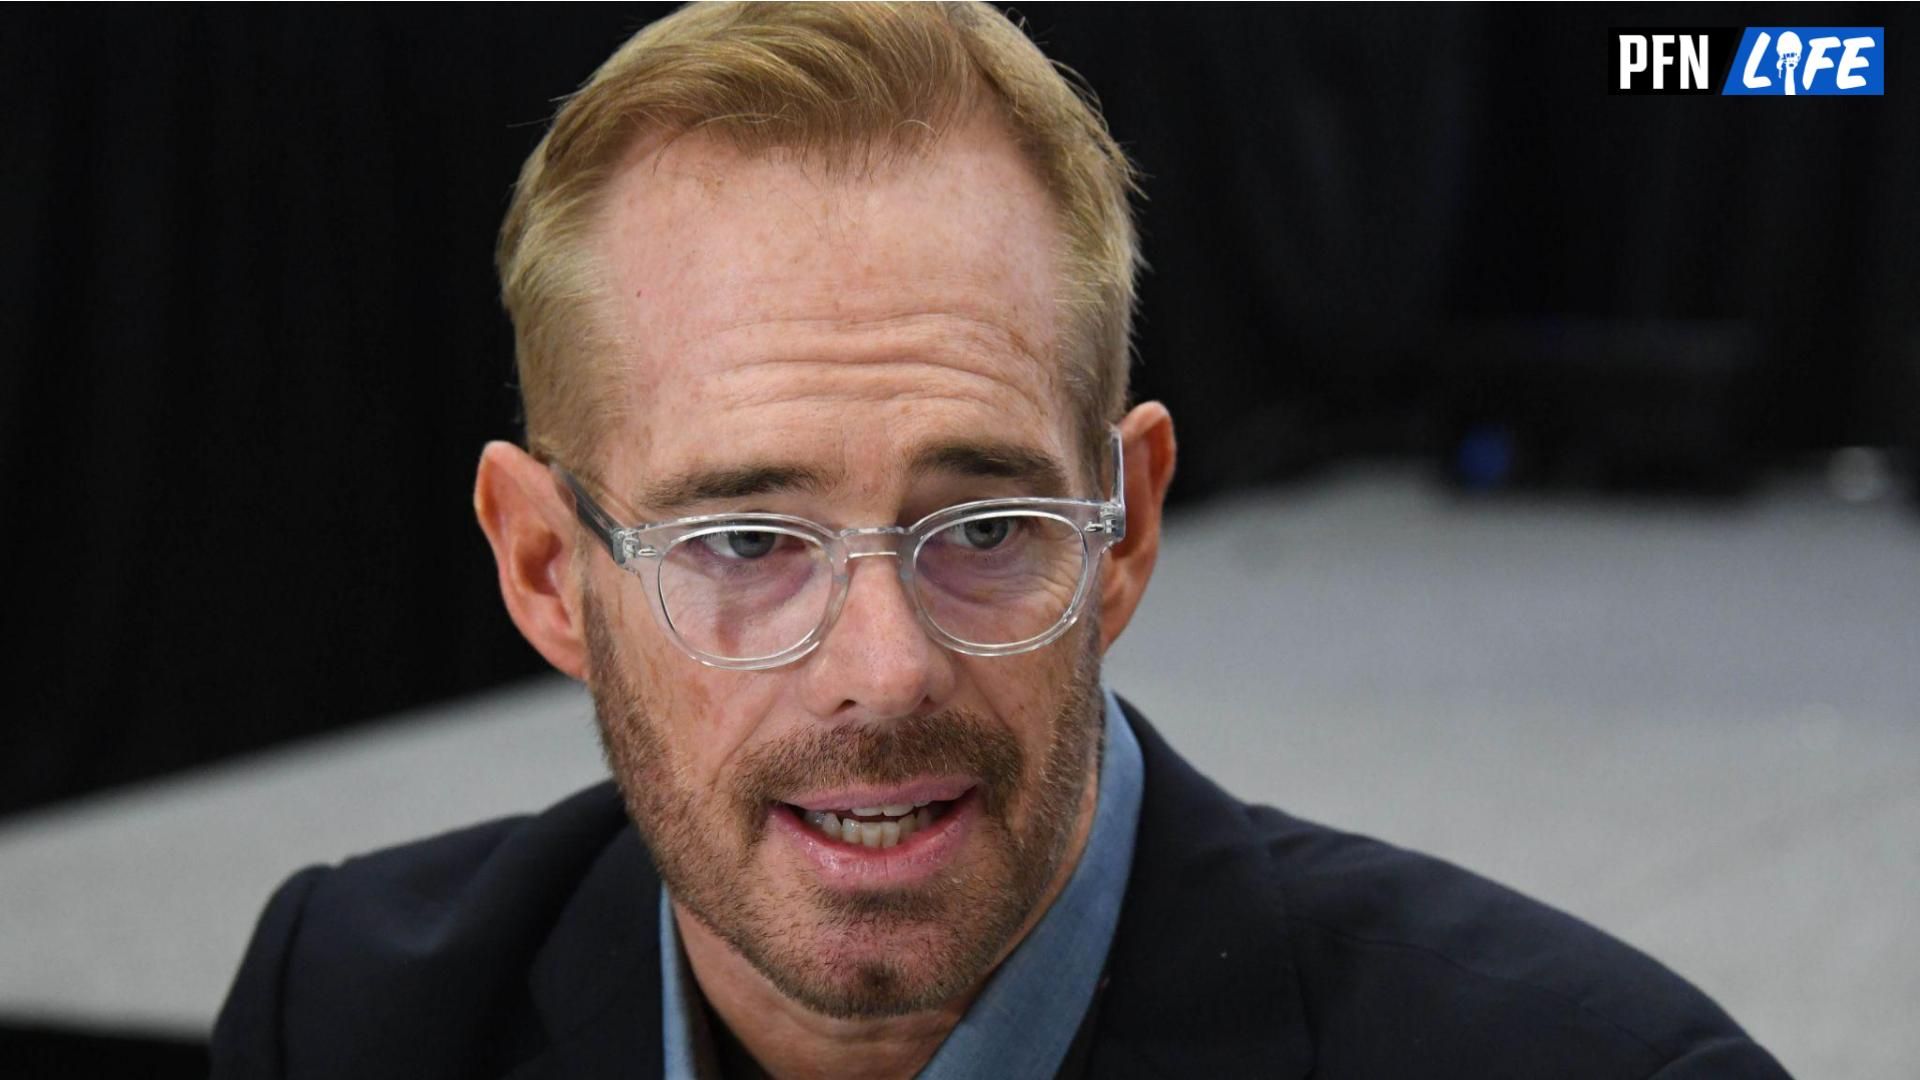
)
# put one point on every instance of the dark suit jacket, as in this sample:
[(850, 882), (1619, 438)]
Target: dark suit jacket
[(1250, 944)]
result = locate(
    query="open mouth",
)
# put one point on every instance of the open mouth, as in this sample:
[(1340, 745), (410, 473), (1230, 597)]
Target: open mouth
[(876, 827)]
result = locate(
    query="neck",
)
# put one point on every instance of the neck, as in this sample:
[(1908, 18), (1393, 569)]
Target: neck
[(791, 1042)]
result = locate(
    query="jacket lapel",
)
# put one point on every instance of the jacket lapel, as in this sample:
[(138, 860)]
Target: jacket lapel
[(596, 983), (1200, 979)]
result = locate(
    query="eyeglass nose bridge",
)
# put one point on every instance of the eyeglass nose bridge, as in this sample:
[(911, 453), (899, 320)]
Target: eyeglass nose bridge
[(866, 543), (874, 540)]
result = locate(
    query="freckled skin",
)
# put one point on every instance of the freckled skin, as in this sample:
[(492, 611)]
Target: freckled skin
[(767, 312)]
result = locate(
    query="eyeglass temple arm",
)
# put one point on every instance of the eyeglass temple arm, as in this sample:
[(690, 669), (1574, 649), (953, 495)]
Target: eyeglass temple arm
[(1116, 522), (595, 519)]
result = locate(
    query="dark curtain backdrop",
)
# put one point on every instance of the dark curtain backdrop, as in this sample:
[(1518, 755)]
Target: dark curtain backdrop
[(253, 345)]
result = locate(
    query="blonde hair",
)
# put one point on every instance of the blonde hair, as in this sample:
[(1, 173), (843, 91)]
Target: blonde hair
[(838, 82)]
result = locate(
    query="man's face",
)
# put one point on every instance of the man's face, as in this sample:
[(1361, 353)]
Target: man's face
[(777, 320)]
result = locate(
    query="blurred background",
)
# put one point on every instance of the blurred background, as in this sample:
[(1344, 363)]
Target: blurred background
[(1546, 497)]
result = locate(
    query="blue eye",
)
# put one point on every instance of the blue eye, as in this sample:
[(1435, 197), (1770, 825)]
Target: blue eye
[(744, 544), (983, 534)]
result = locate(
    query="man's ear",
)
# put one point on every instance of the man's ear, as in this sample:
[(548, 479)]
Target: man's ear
[(1146, 436), (530, 527)]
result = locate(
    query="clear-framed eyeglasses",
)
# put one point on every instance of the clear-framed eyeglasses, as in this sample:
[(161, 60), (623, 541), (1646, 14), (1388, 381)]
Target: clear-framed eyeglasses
[(991, 577)]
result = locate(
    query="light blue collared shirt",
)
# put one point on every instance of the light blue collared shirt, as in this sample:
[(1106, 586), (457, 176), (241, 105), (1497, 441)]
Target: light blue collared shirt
[(1023, 1022)]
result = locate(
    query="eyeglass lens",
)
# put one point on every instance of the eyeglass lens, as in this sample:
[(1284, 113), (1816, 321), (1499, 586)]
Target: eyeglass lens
[(994, 579)]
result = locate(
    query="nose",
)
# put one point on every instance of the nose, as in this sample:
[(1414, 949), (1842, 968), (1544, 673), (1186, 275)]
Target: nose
[(877, 662)]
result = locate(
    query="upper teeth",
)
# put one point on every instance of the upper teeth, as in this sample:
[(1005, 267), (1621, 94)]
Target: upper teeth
[(890, 809), (873, 834)]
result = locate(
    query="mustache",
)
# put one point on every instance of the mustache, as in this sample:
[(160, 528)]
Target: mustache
[(940, 744)]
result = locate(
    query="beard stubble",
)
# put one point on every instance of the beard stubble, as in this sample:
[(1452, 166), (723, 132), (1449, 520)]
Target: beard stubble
[(952, 930)]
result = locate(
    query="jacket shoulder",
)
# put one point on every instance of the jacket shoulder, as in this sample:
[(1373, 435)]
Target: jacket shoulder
[(1256, 943), (1403, 957), (413, 960)]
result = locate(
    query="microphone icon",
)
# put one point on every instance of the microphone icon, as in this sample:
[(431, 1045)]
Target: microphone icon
[(1788, 51)]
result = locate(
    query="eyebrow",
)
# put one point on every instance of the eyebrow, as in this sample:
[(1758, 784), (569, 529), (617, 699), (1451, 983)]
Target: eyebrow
[(736, 482), (997, 460), (1042, 475)]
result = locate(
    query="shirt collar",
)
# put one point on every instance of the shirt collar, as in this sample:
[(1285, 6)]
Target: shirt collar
[(1024, 1020)]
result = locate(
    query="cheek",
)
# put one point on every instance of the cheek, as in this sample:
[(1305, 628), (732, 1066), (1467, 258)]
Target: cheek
[(676, 702), (1025, 692), (711, 716)]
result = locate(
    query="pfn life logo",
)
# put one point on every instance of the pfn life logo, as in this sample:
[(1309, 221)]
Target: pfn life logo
[(1794, 61), (1752, 61)]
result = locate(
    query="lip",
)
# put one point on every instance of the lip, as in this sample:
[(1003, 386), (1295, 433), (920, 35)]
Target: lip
[(937, 789), (850, 867)]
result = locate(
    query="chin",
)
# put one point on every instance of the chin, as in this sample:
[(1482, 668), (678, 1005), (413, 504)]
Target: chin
[(886, 953), (870, 974)]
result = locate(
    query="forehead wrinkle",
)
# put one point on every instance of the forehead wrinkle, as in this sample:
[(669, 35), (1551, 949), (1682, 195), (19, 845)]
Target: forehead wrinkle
[(815, 353), (972, 323), (829, 383)]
